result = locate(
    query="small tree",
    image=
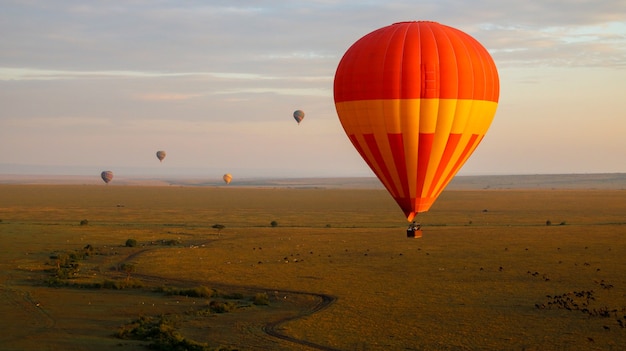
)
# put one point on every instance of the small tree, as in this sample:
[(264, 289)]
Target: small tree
[(60, 260), (274, 224), (127, 268), (261, 299), (131, 243), (219, 227), (84, 222)]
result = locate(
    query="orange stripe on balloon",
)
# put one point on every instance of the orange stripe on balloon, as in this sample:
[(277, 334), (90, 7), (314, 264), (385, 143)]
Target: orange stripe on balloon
[(423, 158), (467, 151), (387, 178), (453, 141), (361, 151), (396, 143)]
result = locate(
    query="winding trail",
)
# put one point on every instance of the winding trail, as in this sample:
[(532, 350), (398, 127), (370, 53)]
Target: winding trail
[(272, 328)]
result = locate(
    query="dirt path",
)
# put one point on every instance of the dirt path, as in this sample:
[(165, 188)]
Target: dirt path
[(272, 328)]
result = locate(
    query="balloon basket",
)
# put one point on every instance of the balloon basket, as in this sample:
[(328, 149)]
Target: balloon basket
[(414, 234)]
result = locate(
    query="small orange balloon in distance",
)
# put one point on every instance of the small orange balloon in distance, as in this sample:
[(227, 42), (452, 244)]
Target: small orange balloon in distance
[(416, 99), (227, 178)]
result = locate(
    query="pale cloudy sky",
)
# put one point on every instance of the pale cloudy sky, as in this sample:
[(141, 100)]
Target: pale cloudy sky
[(93, 85)]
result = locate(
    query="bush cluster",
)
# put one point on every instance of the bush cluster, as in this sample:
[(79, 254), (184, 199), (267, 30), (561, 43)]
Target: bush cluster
[(56, 282), (216, 306), (261, 299), (163, 335), (67, 264), (199, 291)]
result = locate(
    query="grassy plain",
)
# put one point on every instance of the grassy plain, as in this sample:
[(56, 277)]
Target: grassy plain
[(488, 273)]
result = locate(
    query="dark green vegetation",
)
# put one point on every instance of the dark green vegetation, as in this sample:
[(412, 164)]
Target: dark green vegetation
[(162, 334), (131, 242), (488, 273)]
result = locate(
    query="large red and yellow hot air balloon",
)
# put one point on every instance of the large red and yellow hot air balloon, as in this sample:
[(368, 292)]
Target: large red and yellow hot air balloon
[(416, 99)]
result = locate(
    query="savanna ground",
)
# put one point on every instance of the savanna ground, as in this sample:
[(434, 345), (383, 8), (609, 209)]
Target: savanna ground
[(489, 272)]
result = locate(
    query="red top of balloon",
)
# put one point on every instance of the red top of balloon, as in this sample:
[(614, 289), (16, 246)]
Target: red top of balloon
[(451, 64)]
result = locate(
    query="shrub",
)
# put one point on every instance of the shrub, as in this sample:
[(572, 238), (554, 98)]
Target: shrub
[(120, 285), (548, 222), (232, 296), (162, 334), (127, 268), (261, 299), (199, 291), (221, 307), (219, 227), (109, 284), (78, 255), (56, 282), (131, 243), (274, 224), (84, 222)]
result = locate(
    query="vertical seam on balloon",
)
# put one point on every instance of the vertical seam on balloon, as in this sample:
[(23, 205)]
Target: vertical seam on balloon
[(422, 154), (443, 35), (401, 161)]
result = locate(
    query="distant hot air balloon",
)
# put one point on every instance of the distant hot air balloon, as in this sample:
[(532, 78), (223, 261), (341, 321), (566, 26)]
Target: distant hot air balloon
[(227, 178), (416, 99), (107, 176), (298, 115), (160, 155)]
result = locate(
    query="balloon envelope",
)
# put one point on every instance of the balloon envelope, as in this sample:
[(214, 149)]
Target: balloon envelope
[(227, 178), (107, 176), (160, 155), (416, 99), (298, 115)]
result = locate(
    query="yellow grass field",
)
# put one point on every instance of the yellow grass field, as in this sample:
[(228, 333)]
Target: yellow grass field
[(489, 272)]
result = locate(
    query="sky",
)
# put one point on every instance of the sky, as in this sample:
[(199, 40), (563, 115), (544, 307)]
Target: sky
[(92, 85)]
